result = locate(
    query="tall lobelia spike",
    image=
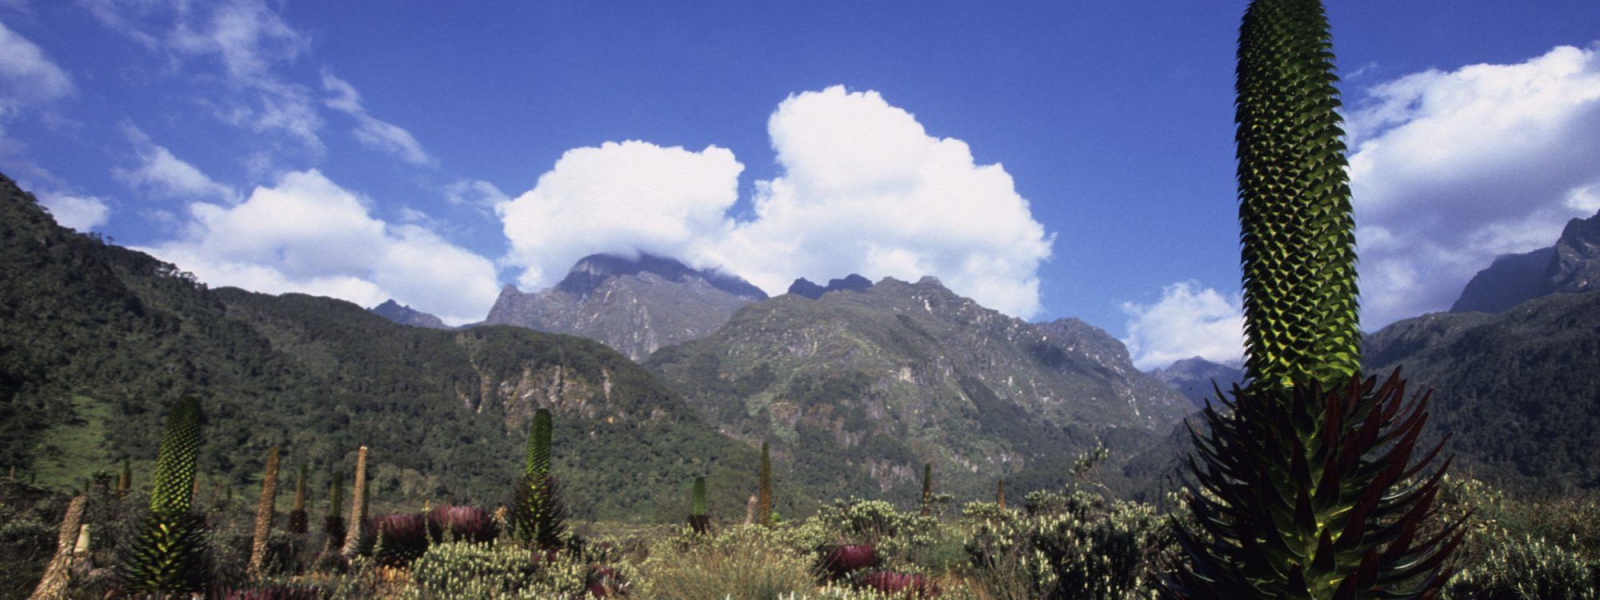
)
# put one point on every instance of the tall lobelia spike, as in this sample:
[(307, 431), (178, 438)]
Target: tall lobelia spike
[(927, 489), (166, 555), (358, 507), (538, 514), (298, 519), (764, 506), (175, 462), (1301, 483), (1000, 492), (1296, 226), (539, 444), (265, 511), (698, 520), (53, 586)]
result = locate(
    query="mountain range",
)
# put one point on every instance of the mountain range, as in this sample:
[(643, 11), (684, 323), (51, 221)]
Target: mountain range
[(862, 388)]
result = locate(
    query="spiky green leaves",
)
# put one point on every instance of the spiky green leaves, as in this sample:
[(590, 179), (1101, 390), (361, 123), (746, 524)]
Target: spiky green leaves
[(539, 444), (180, 447), (167, 555), (1305, 494), (537, 515), (1295, 219)]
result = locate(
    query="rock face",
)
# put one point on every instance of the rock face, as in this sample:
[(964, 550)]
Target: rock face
[(852, 282), (1194, 377), (635, 306), (405, 315), (858, 390), (1571, 265)]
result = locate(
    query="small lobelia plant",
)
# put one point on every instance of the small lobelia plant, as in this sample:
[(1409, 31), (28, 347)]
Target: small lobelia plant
[(538, 515), (167, 552), (299, 521), (1309, 482), (699, 521)]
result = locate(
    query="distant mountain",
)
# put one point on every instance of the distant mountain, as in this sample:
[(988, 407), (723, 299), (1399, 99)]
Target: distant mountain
[(858, 390), (96, 341), (632, 305), (1571, 265), (852, 282), (405, 315), (1198, 379), (1518, 390)]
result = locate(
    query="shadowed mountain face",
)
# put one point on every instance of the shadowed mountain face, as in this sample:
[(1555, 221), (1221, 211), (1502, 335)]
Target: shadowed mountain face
[(96, 341), (1572, 265), (632, 305), (1518, 390), (1198, 379), (858, 390), (405, 315)]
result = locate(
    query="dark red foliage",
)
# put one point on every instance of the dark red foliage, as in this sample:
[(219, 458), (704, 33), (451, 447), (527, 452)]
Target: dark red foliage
[(700, 523), (894, 583), (399, 539), (283, 592), (603, 582), (843, 560), (461, 524)]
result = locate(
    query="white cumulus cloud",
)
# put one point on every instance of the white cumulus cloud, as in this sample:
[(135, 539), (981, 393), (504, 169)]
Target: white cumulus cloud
[(863, 189), (307, 234), (1451, 168), (82, 213), (618, 198), (1188, 321)]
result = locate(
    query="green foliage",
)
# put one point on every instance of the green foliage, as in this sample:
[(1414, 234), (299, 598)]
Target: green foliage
[(1067, 545), (901, 539), (1296, 227)]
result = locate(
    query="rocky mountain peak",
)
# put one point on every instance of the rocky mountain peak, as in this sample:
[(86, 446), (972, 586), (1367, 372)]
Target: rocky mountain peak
[(593, 270), (852, 282), (1571, 265), (634, 305), (405, 315)]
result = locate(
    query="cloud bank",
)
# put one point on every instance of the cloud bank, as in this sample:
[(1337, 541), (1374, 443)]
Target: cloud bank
[(863, 189), (27, 76), (1452, 168), (306, 234)]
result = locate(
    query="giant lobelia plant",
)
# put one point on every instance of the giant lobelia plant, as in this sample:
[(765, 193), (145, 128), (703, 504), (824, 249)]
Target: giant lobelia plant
[(538, 515), (167, 552), (1308, 483)]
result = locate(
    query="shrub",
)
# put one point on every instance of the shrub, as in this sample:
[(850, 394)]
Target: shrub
[(744, 562), (1067, 545)]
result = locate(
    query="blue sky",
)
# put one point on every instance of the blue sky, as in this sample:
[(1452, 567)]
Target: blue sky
[(1047, 159)]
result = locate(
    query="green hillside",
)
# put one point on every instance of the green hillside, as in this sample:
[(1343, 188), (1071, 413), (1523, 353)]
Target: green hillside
[(97, 340)]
